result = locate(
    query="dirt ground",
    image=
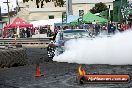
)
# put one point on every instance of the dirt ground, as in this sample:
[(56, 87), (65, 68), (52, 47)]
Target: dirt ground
[(56, 75)]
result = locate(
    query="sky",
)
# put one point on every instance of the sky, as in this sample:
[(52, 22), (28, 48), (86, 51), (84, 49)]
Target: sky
[(130, 0), (4, 5)]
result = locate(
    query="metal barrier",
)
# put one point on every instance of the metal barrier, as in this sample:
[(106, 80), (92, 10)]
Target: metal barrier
[(11, 41)]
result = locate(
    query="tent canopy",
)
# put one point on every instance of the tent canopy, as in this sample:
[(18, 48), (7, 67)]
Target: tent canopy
[(46, 22), (89, 18), (18, 22), (57, 21)]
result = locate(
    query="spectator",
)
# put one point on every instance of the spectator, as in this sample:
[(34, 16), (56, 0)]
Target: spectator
[(97, 29), (28, 33), (123, 26), (23, 33), (104, 29), (113, 28), (119, 27), (48, 32), (109, 27), (36, 31)]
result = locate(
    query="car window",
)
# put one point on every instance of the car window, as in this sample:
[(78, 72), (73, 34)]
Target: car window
[(71, 34), (75, 31), (75, 34)]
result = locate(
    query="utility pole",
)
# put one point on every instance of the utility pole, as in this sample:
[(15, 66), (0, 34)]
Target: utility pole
[(0, 14), (119, 13), (8, 9), (109, 14), (69, 10), (17, 7)]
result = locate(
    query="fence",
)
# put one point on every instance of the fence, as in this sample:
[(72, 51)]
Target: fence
[(22, 41)]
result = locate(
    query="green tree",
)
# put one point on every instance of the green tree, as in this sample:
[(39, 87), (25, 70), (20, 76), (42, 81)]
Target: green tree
[(99, 7), (59, 3)]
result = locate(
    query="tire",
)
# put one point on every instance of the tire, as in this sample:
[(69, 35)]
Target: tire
[(50, 52), (81, 80)]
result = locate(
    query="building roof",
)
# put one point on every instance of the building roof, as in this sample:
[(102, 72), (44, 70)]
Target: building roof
[(57, 9)]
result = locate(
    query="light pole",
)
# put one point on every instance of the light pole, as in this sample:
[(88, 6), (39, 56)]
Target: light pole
[(17, 7), (109, 14), (8, 10), (119, 17), (69, 10), (0, 14)]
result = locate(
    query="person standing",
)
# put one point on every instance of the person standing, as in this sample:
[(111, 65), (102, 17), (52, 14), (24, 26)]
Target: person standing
[(28, 32), (119, 27), (48, 32), (97, 29), (109, 27), (113, 28)]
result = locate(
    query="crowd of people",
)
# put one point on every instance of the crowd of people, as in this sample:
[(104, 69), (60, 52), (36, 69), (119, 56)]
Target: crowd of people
[(27, 32), (94, 28), (108, 28), (23, 33)]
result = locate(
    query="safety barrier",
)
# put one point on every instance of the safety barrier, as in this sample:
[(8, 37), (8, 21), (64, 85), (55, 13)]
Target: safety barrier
[(21, 41)]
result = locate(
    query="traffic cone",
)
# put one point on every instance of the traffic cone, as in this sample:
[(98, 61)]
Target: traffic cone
[(38, 72)]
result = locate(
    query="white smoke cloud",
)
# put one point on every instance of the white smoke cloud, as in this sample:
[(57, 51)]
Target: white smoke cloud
[(130, 1), (115, 50)]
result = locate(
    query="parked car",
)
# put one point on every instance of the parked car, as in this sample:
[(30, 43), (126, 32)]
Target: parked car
[(56, 46)]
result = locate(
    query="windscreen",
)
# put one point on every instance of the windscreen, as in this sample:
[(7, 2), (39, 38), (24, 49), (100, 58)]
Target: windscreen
[(75, 34)]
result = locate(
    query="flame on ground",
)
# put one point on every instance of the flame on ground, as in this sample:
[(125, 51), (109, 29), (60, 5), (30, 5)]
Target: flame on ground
[(81, 71)]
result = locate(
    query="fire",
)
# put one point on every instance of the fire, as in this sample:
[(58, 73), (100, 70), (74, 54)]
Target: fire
[(81, 71)]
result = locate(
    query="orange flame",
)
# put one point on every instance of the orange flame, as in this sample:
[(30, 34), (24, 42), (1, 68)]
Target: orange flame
[(81, 71)]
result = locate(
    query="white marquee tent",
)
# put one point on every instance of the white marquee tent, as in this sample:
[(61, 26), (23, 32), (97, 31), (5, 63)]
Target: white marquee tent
[(46, 22)]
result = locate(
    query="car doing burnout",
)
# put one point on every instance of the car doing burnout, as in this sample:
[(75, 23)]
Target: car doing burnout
[(56, 46)]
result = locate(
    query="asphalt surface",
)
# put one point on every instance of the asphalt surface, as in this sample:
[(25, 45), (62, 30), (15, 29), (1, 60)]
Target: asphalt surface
[(56, 75)]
